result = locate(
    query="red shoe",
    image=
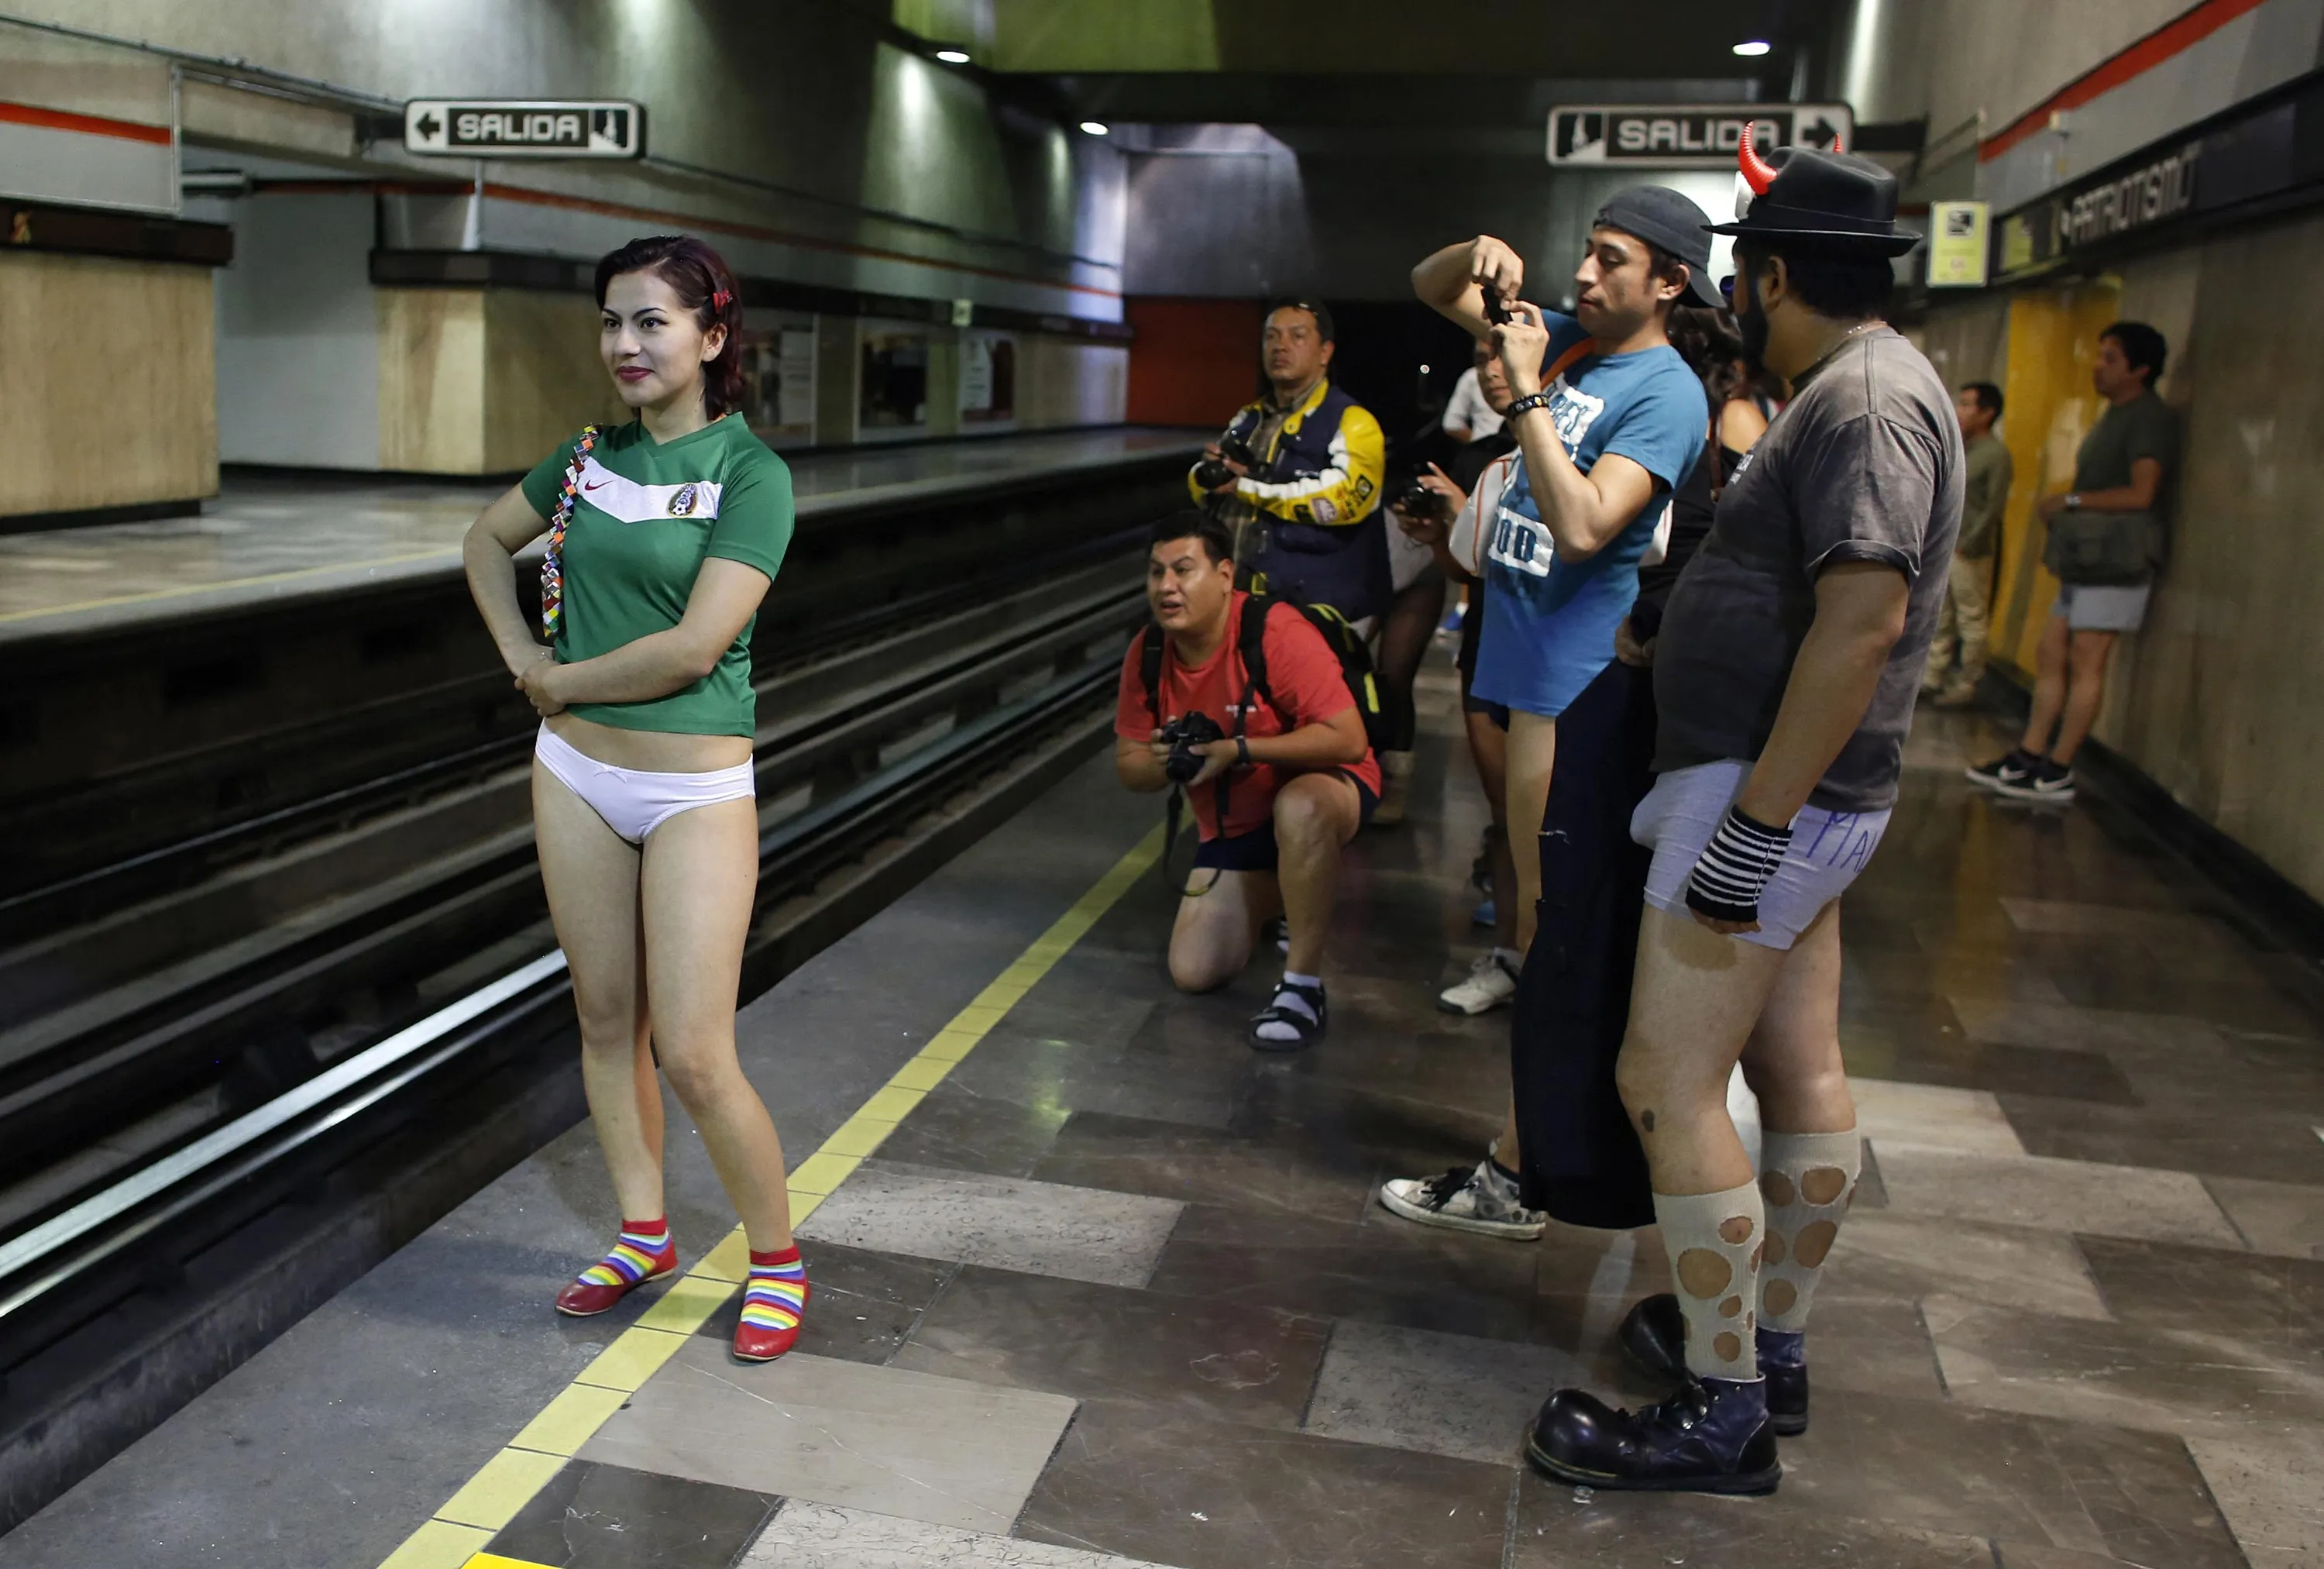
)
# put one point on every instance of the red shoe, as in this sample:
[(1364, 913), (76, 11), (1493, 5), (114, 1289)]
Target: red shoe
[(640, 1255), (772, 1301)]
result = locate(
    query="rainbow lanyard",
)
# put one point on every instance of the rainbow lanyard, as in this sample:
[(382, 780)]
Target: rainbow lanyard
[(552, 567)]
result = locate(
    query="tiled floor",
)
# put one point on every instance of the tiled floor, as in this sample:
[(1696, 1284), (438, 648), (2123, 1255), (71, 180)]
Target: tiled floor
[(1118, 1294)]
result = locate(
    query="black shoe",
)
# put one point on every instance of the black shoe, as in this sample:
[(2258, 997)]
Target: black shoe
[(1783, 1363), (1278, 932), (1711, 1437), (1653, 1334), (1293, 1022), (2050, 781), (2007, 774)]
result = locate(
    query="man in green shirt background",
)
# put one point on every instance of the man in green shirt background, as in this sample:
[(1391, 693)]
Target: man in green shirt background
[(1961, 619)]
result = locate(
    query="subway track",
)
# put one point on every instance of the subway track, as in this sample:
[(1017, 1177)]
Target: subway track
[(203, 1139)]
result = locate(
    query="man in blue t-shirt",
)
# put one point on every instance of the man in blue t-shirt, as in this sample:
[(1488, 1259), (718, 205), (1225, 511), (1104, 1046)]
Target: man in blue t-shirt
[(1608, 418)]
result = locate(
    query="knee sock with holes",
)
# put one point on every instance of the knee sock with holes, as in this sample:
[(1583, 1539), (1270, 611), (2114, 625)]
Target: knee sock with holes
[(1807, 1180), (1713, 1239)]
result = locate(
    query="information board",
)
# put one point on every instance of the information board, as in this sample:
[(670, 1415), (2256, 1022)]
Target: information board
[(525, 127), (1690, 135)]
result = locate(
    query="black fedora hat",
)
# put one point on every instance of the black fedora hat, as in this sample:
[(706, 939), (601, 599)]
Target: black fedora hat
[(1836, 200)]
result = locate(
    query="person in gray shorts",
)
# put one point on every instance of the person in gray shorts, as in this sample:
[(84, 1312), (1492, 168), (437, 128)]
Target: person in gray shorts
[(1786, 672), (2105, 541)]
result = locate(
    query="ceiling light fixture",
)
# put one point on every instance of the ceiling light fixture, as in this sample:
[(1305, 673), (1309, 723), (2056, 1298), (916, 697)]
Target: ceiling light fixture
[(1750, 49), (1094, 127), (952, 56)]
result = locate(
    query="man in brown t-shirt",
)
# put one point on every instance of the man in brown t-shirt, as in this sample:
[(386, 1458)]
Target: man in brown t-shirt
[(1785, 676)]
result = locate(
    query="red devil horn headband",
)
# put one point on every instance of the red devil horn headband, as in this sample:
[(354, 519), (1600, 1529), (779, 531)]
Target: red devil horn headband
[(1758, 172)]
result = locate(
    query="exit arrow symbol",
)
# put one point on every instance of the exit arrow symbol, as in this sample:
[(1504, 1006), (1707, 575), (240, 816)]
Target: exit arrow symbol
[(1822, 133), (427, 126)]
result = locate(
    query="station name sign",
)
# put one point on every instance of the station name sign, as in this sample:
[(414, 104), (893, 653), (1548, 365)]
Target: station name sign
[(1690, 135), (525, 127), (2254, 159)]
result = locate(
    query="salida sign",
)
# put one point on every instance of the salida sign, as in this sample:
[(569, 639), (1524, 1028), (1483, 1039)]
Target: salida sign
[(525, 127), (1688, 136)]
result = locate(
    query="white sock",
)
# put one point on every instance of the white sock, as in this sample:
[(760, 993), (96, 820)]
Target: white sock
[(1291, 978), (1808, 1183), (1713, 1239)]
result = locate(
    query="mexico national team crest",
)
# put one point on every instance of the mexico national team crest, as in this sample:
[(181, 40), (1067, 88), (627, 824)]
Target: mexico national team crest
[(681, 504)]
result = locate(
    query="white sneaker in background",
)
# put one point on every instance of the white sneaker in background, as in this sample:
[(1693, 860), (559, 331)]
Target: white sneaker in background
[(1478, 1199), (1492, 983)]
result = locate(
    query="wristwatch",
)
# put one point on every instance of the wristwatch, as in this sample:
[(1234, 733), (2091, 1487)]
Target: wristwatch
[(2073, 501), (1242, 752)]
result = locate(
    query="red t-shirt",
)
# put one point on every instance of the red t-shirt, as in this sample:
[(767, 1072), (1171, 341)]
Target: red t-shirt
[(1303, 675)]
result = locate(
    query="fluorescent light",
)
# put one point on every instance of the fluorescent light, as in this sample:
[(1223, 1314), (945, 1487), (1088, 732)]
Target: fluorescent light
[(1750, 49), (952, 56), (1094, 127)]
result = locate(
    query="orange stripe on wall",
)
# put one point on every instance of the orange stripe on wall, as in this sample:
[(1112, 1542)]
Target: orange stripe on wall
[(776, 236), (83, 125), (2169, 39)]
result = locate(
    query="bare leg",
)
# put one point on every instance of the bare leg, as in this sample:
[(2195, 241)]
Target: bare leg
[(590, 873), (1411, 622), (1697, 997), (2084, 688), (1314, 815), (1216, 929), (1488, 746), (1791, 1061), (1532, 754), (699, 873), (2049, 687)]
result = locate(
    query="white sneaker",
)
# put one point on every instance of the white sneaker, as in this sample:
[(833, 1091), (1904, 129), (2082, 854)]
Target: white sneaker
[(1492, 983), (1476, 1199)]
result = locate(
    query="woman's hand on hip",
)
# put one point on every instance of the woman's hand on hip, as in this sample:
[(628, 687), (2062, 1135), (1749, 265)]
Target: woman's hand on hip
[(537, 681)]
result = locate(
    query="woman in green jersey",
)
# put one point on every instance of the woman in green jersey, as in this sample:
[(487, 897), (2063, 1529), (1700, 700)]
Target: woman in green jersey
[(664, 535)]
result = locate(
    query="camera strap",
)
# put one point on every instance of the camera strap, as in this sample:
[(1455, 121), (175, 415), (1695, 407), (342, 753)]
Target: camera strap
[(1152, 649)]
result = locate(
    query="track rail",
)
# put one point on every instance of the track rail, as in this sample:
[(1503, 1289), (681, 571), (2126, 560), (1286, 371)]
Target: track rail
[(883, 759)]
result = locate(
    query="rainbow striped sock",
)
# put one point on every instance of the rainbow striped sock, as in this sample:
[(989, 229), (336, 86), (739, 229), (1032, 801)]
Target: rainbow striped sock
[(776, 1291), (642, 1250)]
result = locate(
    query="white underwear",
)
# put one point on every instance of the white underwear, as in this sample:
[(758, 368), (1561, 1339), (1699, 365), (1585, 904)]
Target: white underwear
[(632, 801), (1683, 811)]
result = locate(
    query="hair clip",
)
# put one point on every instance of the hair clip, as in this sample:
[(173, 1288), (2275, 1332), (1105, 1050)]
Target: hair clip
[(722, 299)]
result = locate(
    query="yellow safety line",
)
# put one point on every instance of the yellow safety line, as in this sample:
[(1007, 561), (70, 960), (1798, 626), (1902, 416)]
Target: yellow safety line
[(152, 593), (470, 1518)]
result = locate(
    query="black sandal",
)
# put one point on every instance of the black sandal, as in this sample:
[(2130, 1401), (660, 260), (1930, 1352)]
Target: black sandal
[(1304, 1016)]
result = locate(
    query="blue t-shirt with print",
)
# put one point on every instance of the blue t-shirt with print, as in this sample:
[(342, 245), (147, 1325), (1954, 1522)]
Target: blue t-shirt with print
[(1549, 624)]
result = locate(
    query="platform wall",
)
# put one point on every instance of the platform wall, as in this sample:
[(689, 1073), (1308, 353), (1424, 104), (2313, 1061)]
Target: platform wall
[(2216, 697), (107, 398)]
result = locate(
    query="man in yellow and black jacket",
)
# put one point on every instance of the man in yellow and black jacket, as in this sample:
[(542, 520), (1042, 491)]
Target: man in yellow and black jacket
[(1314, 485)]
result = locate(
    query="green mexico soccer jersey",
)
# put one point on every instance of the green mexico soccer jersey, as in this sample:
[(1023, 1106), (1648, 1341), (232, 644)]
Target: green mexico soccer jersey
[(646, 516)]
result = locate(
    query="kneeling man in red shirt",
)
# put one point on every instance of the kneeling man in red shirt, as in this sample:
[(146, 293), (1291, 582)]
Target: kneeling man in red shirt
[(1288, 781)]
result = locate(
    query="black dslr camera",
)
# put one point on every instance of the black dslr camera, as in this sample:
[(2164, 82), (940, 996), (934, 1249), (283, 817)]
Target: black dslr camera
[(1214, 472), (1183, 735), (1415, 500)]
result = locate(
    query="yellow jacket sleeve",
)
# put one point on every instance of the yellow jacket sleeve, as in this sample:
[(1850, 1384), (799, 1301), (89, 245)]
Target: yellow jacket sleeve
[(1344, 491)]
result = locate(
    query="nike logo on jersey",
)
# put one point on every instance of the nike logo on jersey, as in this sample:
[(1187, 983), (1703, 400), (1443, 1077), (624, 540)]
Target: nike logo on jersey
[(632, 503)]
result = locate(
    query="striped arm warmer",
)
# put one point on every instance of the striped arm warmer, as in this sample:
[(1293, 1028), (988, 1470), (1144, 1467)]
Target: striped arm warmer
[(1735, 867)]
